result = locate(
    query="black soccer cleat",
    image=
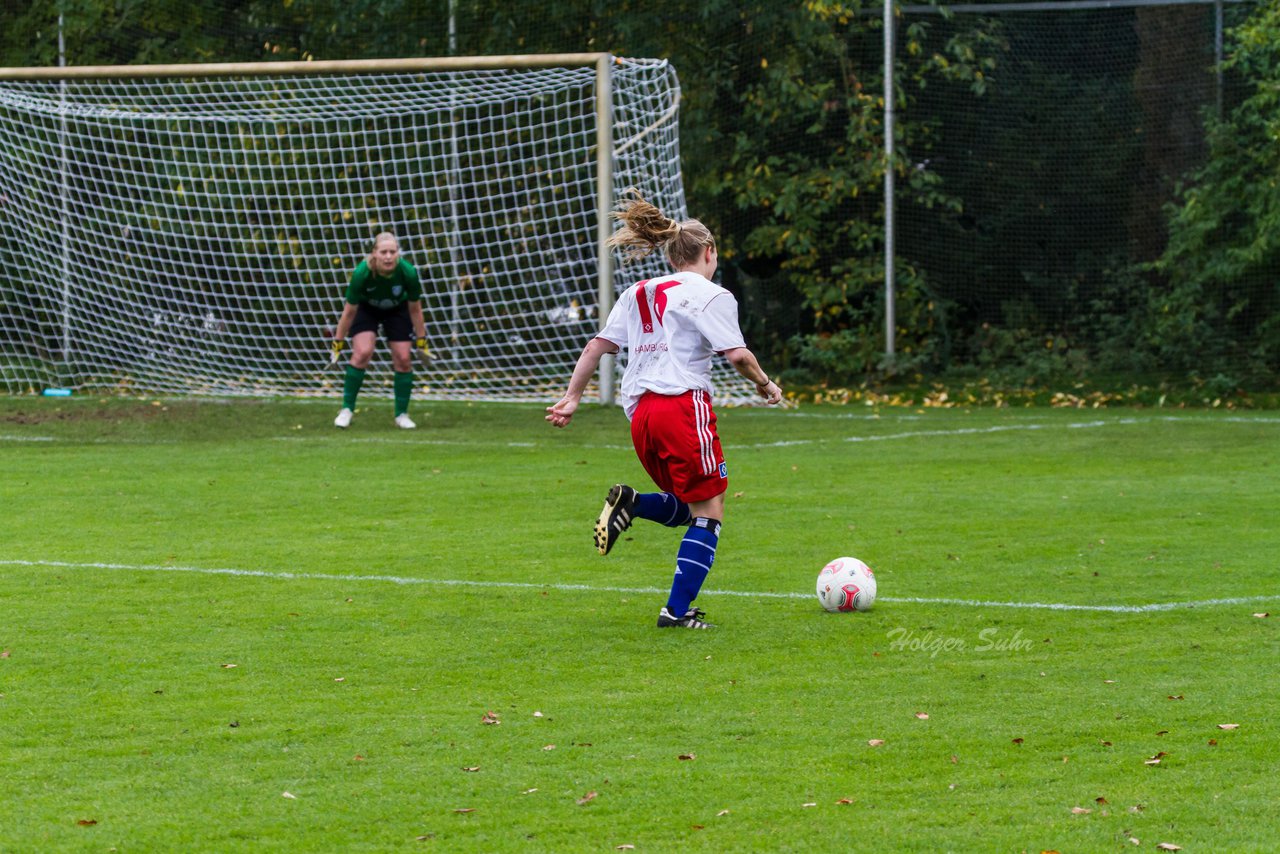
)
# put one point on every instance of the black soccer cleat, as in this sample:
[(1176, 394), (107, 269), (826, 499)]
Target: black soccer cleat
[(692, 619), (619, 510)]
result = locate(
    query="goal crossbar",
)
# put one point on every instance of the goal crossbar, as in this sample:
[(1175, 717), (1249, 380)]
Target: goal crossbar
[(407, 65)]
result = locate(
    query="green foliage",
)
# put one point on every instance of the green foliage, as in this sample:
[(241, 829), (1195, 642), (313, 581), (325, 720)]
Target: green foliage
[(1222, 306), (808, 160), (126, 32)]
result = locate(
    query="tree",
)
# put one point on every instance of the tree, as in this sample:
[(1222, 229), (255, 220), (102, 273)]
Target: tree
[(1221, 310)]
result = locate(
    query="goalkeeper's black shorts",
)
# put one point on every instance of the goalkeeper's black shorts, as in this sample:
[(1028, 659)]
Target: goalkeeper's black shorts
[(394, 321)]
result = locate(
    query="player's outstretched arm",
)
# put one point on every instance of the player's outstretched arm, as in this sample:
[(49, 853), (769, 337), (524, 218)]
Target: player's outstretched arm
[(561, 412), (745, 363)]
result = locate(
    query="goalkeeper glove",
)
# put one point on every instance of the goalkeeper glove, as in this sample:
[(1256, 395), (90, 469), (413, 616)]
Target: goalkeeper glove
[(420, 347), (335, 350)]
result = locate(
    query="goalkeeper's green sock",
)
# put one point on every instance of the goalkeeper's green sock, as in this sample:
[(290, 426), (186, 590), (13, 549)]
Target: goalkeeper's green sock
[(351, 386), (404, 390)]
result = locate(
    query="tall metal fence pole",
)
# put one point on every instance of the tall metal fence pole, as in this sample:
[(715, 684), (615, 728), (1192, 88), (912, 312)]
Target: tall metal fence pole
[(889, 319)]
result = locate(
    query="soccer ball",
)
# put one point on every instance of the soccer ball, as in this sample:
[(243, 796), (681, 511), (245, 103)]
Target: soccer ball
[(847, 584)]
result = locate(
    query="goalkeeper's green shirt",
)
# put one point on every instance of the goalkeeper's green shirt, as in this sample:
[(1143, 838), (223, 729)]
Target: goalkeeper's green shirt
[(384, 291)]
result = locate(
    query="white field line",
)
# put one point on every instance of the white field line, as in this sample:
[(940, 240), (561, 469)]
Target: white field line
[(908, 434), (783, 443), (592, 588)]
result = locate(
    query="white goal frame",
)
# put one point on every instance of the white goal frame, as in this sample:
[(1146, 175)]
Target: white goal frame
[(605, 154)]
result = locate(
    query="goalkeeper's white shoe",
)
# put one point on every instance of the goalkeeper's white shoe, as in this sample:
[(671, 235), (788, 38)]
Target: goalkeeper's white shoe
[(344, 418), (404, 422)]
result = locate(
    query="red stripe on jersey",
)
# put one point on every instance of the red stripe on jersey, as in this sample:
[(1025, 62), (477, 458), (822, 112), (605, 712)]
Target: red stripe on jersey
[(660, 297), (642, 303)]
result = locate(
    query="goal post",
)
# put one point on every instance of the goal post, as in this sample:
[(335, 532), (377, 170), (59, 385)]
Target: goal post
[(209, 216)]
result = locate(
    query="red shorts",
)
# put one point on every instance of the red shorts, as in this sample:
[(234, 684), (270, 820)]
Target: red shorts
[(675, 439)]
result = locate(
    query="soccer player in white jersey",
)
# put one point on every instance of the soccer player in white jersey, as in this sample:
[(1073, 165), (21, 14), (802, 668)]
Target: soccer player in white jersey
[(672, 327)]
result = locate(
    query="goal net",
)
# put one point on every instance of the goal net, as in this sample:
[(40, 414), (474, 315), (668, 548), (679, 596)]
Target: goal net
[(191, 230)]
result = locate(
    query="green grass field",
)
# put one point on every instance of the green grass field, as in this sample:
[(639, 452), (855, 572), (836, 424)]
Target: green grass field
[(231, 627)]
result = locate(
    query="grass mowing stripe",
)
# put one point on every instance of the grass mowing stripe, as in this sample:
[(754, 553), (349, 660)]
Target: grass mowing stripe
[(592, 588)]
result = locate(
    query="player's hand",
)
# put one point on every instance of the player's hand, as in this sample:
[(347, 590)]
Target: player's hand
[(771, 392), (335, 350), (420, 348), (560, 414)]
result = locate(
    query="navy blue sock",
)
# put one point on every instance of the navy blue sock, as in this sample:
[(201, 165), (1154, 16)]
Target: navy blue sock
[(663, 508), (693, 562)]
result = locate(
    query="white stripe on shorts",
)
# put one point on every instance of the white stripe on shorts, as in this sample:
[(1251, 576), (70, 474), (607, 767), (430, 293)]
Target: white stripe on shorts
[(702, 423)]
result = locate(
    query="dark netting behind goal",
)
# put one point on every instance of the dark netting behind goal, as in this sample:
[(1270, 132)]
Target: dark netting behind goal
[(1062, 169)]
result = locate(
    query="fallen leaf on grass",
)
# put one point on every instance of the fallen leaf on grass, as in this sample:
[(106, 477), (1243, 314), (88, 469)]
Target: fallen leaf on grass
[(1017, 741), (1080, 810), (465, 809), (806, 806), (1262, 616), (924, 716), (1105, 743), (587, 798), (627, 847), (549, 747), (529, 791), (339, 679), (1228, 726), (229, 666), (687, 757), (1213, 742), (1155, 760), (875, 742), (1167, 846), (722, 812), (1133, 840), (845, 801), (537, 714), (471, 768), (290, 795), (1101, 801), (4, 654), (1162, 732), (1175, 697), (490, 718), (87, 822)]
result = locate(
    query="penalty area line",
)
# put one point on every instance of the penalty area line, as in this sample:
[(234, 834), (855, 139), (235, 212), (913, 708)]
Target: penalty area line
[(593, 588)]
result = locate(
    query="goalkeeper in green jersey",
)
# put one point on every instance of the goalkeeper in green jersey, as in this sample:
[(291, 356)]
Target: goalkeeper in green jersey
[(384, 292)]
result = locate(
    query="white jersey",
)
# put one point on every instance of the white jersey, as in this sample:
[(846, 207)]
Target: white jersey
[(671, 327)]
